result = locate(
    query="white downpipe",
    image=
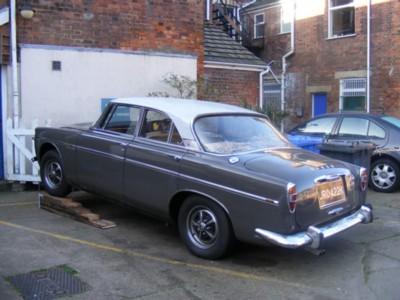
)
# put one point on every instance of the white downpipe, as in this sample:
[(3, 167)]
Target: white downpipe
[(368, 56), (261, 86), (208, 10), (14, 69), (14, 65), (284, 62)]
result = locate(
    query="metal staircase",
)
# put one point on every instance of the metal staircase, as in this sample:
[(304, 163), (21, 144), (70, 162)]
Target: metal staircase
[(231, 17)]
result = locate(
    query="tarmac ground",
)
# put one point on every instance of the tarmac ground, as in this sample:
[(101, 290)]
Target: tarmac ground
[(142, 258)]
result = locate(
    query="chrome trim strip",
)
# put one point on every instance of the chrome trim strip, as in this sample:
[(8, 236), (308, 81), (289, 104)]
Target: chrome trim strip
[(312, 240), (153, 167), (328, 177), (100, 153)]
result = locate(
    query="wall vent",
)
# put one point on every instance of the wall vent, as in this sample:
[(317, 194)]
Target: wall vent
[(56, 65)]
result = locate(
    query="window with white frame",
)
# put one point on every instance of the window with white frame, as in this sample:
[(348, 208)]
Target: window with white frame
[(271, 94), (341, 18), (259, 22), (287, 12), (353, 93)]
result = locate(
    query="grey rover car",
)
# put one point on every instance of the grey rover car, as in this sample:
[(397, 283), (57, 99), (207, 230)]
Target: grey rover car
[(221, 173)]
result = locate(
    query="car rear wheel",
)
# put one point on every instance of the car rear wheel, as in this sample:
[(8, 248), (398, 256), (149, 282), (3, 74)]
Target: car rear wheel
[(384, 176), (205, 228), (52, 175)]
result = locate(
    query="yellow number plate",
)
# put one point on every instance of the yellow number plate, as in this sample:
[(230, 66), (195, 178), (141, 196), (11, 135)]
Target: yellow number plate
[(331, 192)]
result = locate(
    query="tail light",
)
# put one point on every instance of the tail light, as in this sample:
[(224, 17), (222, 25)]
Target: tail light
[(292, 196), (364, 178)]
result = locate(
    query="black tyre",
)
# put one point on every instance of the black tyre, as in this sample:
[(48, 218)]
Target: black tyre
[(52, 175), (205, 228), (384, 176)]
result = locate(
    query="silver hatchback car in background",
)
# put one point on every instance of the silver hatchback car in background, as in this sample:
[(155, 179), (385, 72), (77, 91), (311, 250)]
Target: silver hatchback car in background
[(380, 129)]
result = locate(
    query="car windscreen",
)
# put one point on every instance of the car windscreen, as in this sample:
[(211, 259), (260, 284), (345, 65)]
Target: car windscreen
[(392, 120), (225, 134)]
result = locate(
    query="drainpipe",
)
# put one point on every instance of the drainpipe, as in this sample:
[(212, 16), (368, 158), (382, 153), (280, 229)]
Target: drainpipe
[(14, 65), (14, 69), (284, 63), (261, 86), (208, 10), (368, 55)]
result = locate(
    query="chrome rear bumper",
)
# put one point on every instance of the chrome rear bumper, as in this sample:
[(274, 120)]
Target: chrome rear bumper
[(314, 237)]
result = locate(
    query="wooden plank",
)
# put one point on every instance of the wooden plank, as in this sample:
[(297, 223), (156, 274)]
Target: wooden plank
[(68, 207)]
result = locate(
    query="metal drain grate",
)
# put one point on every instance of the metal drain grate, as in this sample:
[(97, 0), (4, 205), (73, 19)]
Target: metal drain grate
[(48, 284)]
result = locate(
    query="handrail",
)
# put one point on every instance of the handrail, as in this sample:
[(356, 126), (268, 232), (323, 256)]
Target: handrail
[(229, 9)]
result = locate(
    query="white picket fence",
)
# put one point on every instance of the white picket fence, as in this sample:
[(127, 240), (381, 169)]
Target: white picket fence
[(18, 153)]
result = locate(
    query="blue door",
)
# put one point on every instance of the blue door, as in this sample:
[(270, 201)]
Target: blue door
[(319, 104), (1, 133)]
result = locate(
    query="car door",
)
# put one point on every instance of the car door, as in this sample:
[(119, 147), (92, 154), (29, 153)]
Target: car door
[(152, 164), (101, 152)]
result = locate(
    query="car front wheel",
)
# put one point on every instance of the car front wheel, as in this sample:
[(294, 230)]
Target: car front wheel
[(52, 175), (384, 176), (205, 228)]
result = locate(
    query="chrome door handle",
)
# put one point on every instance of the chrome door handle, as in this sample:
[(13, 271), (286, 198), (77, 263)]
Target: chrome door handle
[(175, 157)]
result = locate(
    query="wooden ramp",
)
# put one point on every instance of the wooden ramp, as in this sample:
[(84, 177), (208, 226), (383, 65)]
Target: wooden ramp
[(72, 208)]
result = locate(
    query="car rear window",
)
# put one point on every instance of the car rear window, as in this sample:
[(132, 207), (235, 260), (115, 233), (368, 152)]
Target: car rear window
[(225, 134)]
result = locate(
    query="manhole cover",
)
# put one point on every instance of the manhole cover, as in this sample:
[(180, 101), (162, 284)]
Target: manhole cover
[(49, 284)]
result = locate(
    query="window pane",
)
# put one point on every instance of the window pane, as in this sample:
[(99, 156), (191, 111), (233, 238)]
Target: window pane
[(343, 21), (272, 94), (156, 126), (123, 119), (259, 31), (259, 19), (375, 132), (286, 17), (353, 103), (321, 126), (176, 137), (259, 26), (231, 134), (353, 94), (355, 127)]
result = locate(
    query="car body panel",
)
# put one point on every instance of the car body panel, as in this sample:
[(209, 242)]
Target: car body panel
[(151, 175)]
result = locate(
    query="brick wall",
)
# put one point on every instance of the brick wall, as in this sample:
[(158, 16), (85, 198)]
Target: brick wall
[(317, 60), (385, 80), (231, 86), (173, 26)]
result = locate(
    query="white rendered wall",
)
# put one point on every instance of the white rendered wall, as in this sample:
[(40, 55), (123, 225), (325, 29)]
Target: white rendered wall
[(73, 95)]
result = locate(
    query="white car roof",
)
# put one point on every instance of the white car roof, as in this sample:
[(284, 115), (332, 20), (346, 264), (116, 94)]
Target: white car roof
[(183, 111)]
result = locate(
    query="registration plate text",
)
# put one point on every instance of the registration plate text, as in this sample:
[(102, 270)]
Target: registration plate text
[(330, 192)]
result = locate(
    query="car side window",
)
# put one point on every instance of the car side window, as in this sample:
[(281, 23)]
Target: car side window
[(158, 126), (123, 119), (317, 127), (360, 128), (353, 127), (376, 132)]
